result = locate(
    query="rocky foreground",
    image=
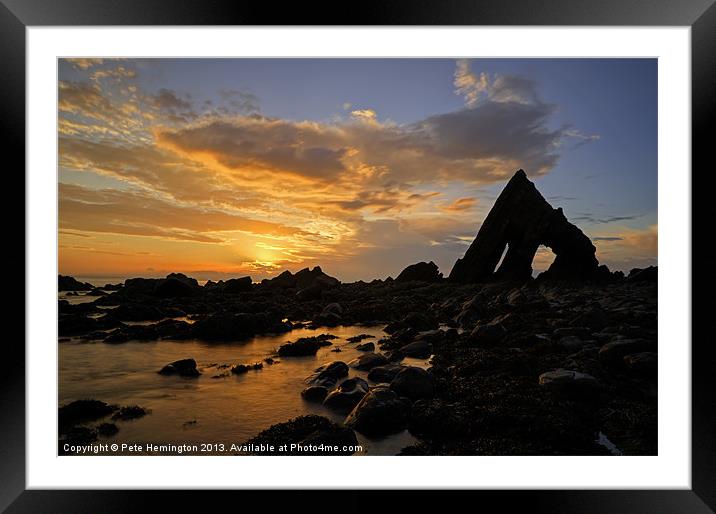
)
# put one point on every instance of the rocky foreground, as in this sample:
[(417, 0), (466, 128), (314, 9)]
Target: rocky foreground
[(517, 368)]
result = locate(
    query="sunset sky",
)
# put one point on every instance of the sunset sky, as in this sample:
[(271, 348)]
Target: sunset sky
[(229, 167)]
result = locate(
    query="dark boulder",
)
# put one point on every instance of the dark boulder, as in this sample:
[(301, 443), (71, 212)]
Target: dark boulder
[(232, 327), (487, 335), (422, 272), (175, 288), (315, 394), (328, 374), (571, 384), (421, 349), (365, 347), (347, 395), (380, 412), (231, 286), (650, 274), (613, 353), (183, 368), (384, 373), (413, 383), (81, 411), (368, 361), (521, 220)]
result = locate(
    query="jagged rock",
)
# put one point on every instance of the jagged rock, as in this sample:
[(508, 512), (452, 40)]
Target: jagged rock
[(422, 271), (301, 280), (183, 368), (522, 220), (67, 283), (231, 286)]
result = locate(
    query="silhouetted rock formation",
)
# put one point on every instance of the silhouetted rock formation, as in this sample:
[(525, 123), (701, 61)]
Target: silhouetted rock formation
[(522, 220), (67, 283), (422, 271)]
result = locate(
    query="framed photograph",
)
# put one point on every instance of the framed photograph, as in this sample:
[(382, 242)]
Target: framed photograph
[(446, 247)]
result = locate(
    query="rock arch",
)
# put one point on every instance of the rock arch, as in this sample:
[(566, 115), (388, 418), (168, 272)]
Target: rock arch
[(522, 220)]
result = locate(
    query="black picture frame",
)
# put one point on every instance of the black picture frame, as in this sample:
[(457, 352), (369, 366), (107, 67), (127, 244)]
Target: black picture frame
[(700, 15)]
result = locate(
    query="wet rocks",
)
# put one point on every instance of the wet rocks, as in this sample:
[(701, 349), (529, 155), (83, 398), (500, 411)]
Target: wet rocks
[(240, 369), (613, 353), (304, 346), (422, 271), (413, 383), (183, 368), (384, 373), (347, 395), (230, 327), (487, 335), (107, 429), (368, 361), (419, 349), (380, 412), (328, 374), (365, 347), (315, 393), (570, 383), (80, 411), (310, 432), (359, 338)]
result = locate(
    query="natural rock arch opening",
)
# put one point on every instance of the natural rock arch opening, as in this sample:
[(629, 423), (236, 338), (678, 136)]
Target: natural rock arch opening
[(520, 221)]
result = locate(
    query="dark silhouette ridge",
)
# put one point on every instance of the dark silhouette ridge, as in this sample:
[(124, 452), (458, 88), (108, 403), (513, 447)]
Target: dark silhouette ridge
[(522, 220)]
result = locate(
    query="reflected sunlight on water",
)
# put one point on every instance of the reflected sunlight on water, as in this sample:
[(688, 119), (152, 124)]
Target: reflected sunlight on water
[(228, 409)]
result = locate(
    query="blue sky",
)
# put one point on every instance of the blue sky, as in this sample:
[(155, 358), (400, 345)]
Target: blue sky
[(599, 163)]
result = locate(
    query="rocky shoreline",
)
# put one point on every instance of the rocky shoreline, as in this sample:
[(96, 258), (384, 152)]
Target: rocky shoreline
[(538, 368)]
